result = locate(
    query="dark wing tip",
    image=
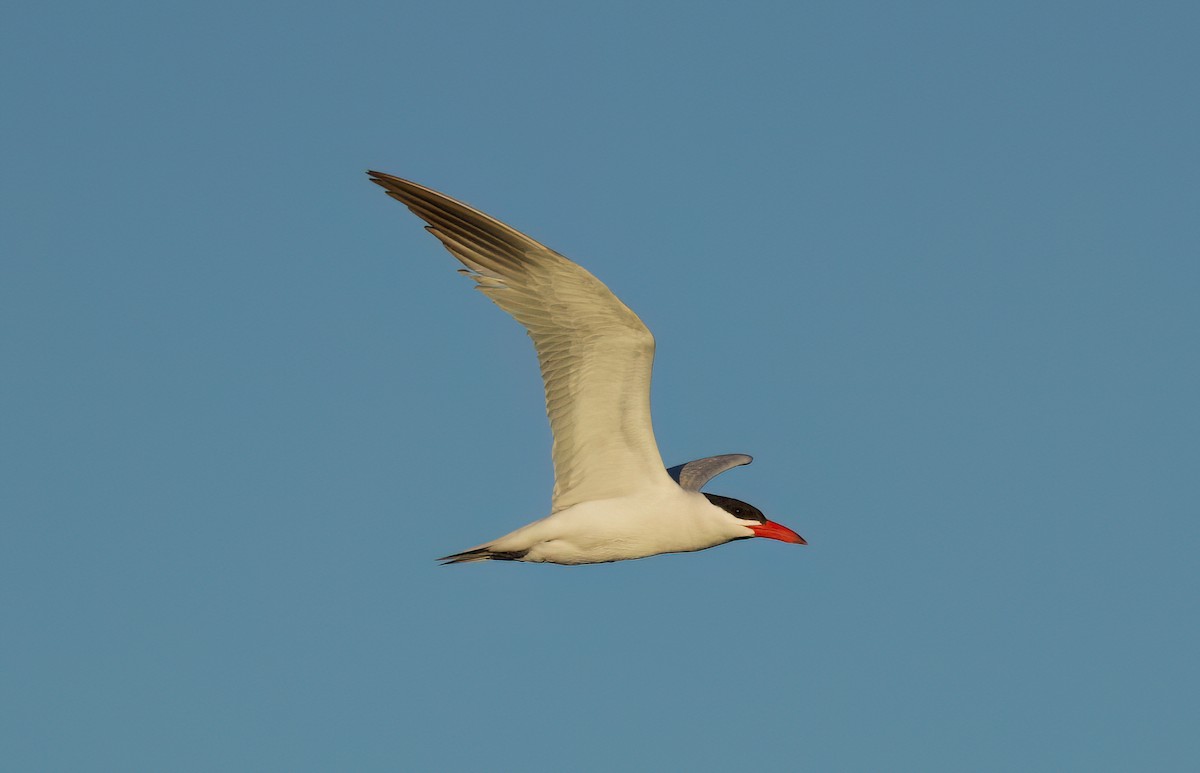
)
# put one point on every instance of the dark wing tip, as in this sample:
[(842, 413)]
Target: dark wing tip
[(482, 554), (402, 189), (390, 182), (484, 233)]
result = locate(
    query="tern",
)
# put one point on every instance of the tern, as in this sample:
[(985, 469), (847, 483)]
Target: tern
[(613, 500)]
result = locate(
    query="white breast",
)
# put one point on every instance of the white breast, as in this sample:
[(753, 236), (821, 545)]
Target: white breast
[(665, 519)]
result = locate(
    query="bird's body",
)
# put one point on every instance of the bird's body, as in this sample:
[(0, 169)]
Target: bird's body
[(663, 519), (613, 500)]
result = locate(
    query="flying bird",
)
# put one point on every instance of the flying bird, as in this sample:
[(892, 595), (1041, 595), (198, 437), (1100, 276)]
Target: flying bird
[(613, 500)]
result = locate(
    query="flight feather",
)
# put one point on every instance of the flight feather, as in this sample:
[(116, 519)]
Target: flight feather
[(596, 356)]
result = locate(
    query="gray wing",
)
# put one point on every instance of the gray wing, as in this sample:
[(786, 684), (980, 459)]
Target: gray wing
[(693, 475), (595, 354)]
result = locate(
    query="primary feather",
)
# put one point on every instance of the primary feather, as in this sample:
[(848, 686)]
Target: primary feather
[(595, 354)]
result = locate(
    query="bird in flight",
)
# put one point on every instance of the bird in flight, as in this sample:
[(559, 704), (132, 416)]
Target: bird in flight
[(613, 500)]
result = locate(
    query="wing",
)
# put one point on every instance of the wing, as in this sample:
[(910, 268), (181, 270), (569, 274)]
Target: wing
[(693, 475), (596, 355)]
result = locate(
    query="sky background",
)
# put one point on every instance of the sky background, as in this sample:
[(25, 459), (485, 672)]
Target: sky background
[(935, 265)]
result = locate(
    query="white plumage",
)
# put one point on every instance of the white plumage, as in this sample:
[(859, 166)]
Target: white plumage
[(612, 498)]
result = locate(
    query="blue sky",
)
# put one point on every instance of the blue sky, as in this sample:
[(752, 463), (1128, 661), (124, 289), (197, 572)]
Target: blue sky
[(934, 265)]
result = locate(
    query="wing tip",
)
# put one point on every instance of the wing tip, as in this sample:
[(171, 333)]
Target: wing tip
[(388, 181), (484, 553)]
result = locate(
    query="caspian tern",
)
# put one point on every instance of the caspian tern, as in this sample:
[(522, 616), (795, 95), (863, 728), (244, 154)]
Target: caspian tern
[(613, 500)]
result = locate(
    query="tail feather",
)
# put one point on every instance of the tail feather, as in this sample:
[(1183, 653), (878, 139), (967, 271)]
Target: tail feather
[(484, 553)]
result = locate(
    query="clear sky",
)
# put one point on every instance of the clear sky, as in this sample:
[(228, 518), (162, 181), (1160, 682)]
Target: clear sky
[(935, 265)]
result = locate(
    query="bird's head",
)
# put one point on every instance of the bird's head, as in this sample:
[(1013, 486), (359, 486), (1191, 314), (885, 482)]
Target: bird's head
[(752, 519)]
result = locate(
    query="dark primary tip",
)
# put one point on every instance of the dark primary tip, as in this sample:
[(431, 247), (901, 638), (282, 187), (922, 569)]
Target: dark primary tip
[(379, 178)]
